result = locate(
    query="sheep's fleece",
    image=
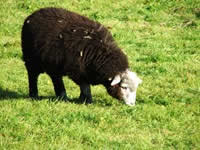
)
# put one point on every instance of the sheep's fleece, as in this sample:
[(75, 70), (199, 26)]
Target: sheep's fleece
[(60, 42)]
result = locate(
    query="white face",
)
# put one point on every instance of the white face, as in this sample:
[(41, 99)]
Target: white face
[(129, 82)]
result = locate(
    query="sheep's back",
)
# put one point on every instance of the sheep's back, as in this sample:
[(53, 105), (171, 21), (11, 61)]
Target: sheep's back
[(71, 44)]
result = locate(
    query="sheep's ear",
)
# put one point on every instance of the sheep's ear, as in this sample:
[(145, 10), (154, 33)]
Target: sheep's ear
[(116, 80)]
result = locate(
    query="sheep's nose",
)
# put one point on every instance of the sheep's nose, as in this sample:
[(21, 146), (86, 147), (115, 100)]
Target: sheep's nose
[(130, 104)]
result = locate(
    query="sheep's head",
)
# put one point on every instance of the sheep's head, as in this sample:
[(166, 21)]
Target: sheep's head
[(124, 86)]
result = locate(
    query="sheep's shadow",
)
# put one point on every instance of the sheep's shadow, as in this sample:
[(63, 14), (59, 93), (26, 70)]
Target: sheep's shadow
[(56, 99), (6, 94)]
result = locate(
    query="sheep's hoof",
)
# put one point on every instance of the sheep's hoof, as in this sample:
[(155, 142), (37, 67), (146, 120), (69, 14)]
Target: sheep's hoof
[(63, 98), (88, 101), (36, 97), (85, 101)]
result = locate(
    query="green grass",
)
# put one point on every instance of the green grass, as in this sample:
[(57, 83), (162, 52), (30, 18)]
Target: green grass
[(162, 41)]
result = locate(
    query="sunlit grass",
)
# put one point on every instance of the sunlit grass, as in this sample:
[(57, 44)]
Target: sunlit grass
[(162, 42)]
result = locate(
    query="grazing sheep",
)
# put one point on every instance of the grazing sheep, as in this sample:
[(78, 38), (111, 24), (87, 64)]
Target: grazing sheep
[(60, 42)]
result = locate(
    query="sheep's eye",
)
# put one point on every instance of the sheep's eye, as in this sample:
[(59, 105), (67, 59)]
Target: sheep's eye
[(125, 88)]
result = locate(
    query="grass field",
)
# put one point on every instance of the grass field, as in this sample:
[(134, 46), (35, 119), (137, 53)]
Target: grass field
[(162, 41)]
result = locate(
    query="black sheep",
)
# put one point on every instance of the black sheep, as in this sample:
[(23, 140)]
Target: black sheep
[(60, 42)]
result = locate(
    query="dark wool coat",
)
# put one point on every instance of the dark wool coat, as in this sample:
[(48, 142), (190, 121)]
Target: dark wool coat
[(61, 42)]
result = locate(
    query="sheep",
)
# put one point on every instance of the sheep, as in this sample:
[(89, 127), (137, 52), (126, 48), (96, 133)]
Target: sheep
[(61, 43)]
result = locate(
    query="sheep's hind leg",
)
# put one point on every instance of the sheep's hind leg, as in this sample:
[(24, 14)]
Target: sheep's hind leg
[(59, 87), (85, 95)]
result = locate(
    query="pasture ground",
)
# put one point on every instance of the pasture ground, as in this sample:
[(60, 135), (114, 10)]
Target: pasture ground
[(162, 41)]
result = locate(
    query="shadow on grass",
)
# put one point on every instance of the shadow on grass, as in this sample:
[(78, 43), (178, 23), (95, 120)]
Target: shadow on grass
[(56, 99), (6, 94)]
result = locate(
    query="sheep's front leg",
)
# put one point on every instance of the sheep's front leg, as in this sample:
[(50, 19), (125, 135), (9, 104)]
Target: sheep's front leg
[(85, 95), (33, 89)]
